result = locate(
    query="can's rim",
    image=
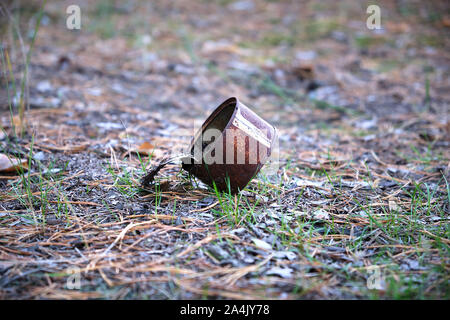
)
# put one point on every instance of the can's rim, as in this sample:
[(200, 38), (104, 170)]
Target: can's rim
[(230, 101)]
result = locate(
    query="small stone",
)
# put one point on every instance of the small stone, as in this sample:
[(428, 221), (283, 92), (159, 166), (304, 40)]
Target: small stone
[(245, 5), (40, 156), (218, 252), (44, 86), (238, 231), (178, 221), (305, 55), (281, 272), (285, 255)]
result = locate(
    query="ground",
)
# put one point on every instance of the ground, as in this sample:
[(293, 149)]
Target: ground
[(358, 209)]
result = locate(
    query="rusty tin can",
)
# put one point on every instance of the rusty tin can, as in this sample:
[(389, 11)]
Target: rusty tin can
[(231, 147)]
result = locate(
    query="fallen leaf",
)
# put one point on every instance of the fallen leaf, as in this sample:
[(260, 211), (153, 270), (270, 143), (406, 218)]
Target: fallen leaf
[(285, 255), (262, 244), (69, 148), (393, 206), (321, 214), (304, 71), (11, 164), (281, 272), (446, 21), (398, 27), (145, 148), (18, 124)]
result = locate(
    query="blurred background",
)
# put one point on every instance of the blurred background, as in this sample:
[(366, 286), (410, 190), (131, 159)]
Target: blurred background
[(317, 49)]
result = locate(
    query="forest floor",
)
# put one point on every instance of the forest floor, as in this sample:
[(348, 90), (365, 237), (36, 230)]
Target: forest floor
[(359, 208)]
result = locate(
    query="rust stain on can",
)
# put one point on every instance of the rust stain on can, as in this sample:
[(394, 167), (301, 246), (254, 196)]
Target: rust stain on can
[(244, 145)]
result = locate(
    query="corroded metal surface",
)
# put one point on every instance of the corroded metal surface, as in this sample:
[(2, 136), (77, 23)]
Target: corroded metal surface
[(238, 154)]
